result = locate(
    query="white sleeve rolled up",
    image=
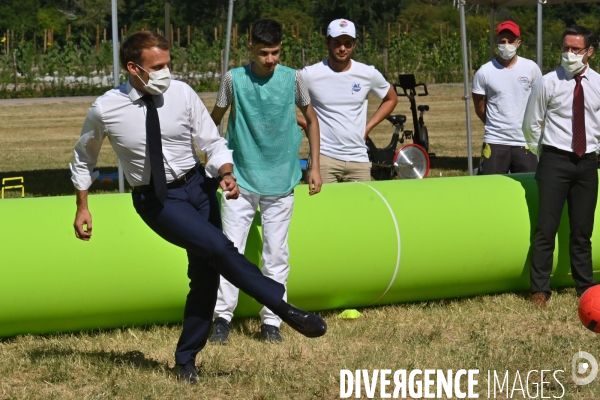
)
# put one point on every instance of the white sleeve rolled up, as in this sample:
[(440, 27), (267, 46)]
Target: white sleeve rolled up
[(207, 138), (87, 149)]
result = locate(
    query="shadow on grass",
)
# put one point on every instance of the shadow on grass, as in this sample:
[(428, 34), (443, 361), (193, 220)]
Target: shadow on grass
[(92, 332), (57, 182), (134, 358)]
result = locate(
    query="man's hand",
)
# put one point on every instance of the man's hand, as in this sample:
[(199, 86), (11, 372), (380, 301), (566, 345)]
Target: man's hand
[(314, 181), (228, 184), (83, 217), (388, 103)]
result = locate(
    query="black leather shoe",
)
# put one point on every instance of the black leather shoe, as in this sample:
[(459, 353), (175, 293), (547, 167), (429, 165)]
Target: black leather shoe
[(308, 324), (187, 373), (270, 333)]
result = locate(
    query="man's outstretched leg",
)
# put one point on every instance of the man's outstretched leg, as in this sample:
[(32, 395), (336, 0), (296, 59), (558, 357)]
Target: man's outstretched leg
[(186, 220)]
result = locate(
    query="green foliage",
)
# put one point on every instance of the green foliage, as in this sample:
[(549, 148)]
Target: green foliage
[(589, 21), (552, 33), (481, 49), (406, 53), (291, 50), (201, 53), (423, 39), (179, 59), (197, 50), (421, 18), (200, 63), (290, 17), (367, 51), (315, 50), (50, 18), (18, 13), (5, 72), (103, 59), (26, 60), (59, 89), (53, 60), (203, 64), (70, 57), (86, 54)]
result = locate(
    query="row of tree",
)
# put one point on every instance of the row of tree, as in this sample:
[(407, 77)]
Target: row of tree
[(200, 62), (429, 18)]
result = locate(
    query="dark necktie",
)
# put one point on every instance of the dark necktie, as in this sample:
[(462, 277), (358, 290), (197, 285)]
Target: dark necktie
[(154, 143), (579, 140)]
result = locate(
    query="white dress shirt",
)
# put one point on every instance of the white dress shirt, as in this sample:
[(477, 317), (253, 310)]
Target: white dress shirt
[(551, 103), (120, 114)]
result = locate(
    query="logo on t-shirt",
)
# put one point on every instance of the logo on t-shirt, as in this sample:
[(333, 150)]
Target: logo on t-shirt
[(523, 80), (356, 87)]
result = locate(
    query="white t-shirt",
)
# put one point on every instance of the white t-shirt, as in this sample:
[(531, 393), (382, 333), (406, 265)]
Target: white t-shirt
[(340, 101), (507, 91)]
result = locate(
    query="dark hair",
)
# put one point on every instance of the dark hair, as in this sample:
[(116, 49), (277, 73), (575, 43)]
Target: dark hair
[(267, 32), (577, 30), (131, 49)]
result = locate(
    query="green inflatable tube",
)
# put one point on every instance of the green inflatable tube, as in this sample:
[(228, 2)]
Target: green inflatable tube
[(353, 245)]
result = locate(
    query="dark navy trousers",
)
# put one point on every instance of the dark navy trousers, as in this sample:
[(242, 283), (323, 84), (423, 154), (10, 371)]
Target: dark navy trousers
[(190, 218)]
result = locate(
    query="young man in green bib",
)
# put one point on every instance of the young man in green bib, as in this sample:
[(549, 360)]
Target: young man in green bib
[(265, 139)]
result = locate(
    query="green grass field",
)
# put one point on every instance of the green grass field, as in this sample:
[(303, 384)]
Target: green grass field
[(490, 333)]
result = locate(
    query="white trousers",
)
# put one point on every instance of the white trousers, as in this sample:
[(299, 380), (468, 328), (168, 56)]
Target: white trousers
[(276, 215)]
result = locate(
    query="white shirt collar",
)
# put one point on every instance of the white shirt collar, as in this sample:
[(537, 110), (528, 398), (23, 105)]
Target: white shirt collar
[(132, 92), (570, 75)]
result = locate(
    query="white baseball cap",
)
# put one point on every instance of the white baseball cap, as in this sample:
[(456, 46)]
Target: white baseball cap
[(341, 27)]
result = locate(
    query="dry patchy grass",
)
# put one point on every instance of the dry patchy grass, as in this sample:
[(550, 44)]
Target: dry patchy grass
[(501, 332), (37, 138)]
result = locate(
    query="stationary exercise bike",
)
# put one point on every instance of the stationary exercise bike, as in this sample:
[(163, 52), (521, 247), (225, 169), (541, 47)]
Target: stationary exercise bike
[(411, 160)]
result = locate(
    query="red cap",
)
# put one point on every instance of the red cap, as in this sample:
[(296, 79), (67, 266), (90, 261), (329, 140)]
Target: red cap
[(509, 26)]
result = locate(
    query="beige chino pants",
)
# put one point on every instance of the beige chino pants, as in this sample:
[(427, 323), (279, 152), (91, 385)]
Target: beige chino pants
[(334, 170)]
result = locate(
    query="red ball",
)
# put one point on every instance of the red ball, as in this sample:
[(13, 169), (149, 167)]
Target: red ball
[(589, 309)]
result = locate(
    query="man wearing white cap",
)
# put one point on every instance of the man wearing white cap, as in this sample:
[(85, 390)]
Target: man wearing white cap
[(339, 88)]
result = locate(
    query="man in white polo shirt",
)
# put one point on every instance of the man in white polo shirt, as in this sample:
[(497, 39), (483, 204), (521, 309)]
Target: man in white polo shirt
[(339, 88), (501, 88)]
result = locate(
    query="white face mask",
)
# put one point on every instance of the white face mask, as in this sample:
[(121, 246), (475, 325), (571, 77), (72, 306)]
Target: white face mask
[(572, 62), (158, 81), (507, 51)]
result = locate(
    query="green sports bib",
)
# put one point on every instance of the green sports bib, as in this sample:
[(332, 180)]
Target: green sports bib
[(263, 132)]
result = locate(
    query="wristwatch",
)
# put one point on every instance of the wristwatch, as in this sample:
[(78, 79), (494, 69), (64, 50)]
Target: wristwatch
[(231, 174)]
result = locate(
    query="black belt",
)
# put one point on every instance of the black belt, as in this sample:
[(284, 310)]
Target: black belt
[(552, 149), (177, 183)]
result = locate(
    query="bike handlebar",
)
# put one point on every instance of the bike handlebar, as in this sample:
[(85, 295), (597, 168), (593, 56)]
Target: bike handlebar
[(412, 90)]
